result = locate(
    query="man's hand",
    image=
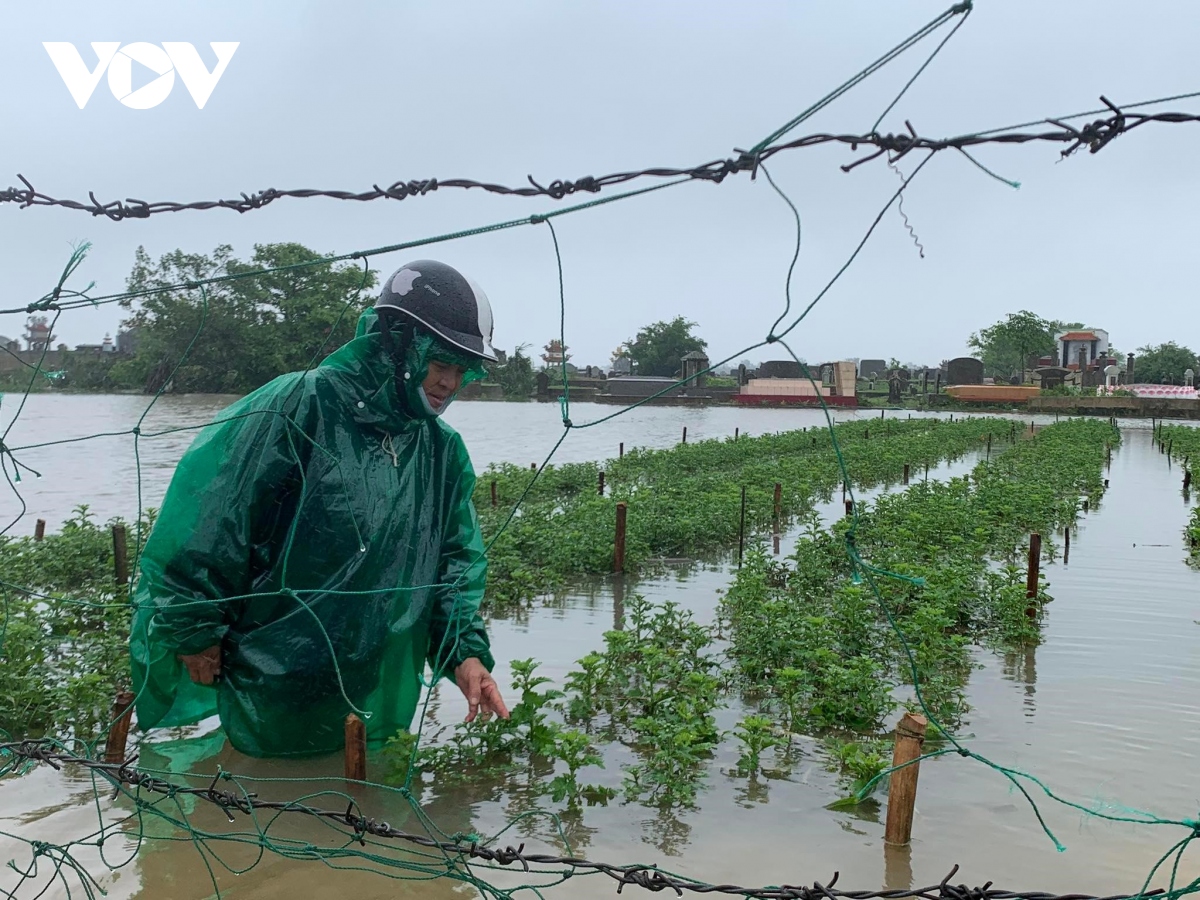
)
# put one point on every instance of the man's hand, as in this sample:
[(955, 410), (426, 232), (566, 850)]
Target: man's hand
[(480, 689), (205, 666)]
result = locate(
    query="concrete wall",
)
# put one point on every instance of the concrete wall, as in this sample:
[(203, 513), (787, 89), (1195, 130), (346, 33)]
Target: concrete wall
[(1118, 406)]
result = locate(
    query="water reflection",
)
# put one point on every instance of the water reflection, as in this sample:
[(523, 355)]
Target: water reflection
[(1021, 666), (897, 867)]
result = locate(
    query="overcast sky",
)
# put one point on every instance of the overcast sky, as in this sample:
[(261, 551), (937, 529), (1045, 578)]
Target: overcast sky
[(346, 94)]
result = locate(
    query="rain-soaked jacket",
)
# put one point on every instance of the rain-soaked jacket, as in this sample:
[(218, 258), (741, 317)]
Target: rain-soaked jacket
[(328, 543)]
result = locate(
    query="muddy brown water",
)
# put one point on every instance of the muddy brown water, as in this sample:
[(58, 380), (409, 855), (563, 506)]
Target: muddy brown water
[(1105, 711)]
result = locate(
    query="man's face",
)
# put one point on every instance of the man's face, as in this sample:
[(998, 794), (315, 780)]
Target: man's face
[(443, 380)]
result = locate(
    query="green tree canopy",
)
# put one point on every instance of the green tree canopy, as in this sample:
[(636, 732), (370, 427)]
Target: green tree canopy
[(1164, 364), (237, 335), (516, 377), (1005, 347), (658, 348)]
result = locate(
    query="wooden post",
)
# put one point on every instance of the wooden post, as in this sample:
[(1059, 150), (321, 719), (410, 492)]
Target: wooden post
[(533, 467), (742, 529), (736, 432), (867, 434), (685, 434), (601, 484), (989, 449), (39, 530), (1086, 505), (1187, 478), (1031, 576), (906, 473), (775, 544), (495, 501), (778, 504), (1066, 544), (902, 783), (1105, 482), (882, 411), (118, 734), (356, 748), (120, 554), (621, 451), (849, 507), (619, 541)]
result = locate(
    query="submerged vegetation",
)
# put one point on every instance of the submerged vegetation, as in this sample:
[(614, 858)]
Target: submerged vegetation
[(818, 645), (64, 630), (686, 501), (1182, 443)]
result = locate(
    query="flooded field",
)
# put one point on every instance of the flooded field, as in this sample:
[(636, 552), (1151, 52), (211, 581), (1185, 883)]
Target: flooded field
[(1104, 711)]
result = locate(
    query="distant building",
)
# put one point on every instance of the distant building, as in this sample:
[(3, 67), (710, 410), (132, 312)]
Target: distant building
[(692, 365), (555, 353), (1092, 343), (37, 334)]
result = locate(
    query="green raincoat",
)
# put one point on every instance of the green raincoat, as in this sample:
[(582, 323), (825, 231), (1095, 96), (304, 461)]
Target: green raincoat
[(328, 543)]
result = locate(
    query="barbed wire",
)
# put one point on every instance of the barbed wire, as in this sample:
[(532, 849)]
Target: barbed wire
[(1094, 136), (124, 776)]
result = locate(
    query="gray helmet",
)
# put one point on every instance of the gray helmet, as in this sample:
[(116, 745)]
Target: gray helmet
[(445, 302)]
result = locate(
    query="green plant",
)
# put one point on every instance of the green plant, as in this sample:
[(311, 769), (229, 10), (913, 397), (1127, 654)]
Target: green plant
[(64, 629), (756, 734), (482, 750)]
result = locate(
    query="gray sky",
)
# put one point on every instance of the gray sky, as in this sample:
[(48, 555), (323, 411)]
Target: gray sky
[(343, 95)]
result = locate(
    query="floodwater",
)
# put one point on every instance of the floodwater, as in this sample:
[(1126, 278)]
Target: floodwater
[(1105, 712), (98, 464)]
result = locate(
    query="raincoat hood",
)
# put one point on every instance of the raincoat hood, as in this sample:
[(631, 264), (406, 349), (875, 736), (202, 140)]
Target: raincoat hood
[(365, 369)]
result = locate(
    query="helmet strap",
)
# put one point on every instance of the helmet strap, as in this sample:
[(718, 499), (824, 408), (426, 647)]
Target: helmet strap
[(398, 352)]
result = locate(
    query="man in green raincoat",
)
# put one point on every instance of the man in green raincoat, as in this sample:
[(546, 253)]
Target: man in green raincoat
[(318, 544)]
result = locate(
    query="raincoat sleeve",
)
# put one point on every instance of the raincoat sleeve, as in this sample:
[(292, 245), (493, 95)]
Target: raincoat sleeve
[(457, 632), (202, 554)]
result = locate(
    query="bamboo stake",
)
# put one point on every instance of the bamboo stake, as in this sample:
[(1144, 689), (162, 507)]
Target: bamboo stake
[(619, 541), (356, 748), (1031, 575), (118, 734), (742, 529), (120, 554), (39, 530), (902, 786)]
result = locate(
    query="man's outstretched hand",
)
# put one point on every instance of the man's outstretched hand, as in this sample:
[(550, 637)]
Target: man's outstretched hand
[(480, 689), (205, 666)]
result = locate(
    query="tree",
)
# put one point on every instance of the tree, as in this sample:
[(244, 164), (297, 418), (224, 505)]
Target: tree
[(1005, 347), (515, 377), (1164, 364), (235, 336), (658, 348)]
